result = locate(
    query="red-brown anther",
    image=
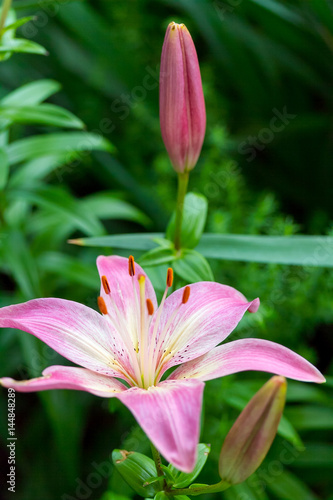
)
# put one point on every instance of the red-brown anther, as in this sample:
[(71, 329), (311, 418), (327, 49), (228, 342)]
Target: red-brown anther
[(106, 285), (169, 279), (131, 265), (101, 305), (186, 294), (150, 307)]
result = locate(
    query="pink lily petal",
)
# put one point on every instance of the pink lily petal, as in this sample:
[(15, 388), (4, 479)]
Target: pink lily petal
[(249, 354), (206, 319), (170, 416), (73, 330), (122, 302), (68, 377)]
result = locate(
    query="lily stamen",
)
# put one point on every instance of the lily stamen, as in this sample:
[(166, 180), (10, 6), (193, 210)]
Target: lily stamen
[(131, 265), (106, 285), (101, 305), (150, 307)]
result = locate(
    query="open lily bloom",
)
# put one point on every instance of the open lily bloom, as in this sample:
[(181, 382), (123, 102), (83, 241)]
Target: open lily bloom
[(135, 341)]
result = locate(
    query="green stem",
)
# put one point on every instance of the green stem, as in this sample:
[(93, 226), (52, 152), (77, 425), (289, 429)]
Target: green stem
[(4, 12), (157, 460), (200, 490), (182, 188)]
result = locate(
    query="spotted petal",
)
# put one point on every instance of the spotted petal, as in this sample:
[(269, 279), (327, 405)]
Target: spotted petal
[(249, 354), (75, 331), (189, 330), (170, 416), (67, 377)]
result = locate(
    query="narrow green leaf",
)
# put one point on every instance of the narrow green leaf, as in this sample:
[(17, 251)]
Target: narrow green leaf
[(194, 220), (37, 169), (18, 23), (42, 145), (105, 206), (143, 241), (32, 93), (193, 267), (291, 250), (61, 202), (44, 114), (69, 268), (22, 265), (22, 45), (4, 168), (310, 417), (290, 487)]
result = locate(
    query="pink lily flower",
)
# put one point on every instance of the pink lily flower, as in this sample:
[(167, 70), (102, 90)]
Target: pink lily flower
[(126, 350)]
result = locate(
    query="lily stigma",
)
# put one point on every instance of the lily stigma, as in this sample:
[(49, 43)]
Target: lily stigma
[(126, 350)]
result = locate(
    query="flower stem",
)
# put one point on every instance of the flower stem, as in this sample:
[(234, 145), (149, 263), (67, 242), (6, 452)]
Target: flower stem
[(4, 12), (182, 188), (157, 460), (200, 490)]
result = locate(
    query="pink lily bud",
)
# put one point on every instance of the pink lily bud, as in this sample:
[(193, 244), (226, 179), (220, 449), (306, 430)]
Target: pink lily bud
[(182, 105), (251, 436)]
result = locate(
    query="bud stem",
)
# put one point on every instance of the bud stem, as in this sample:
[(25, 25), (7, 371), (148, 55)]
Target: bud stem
[(6, 4), (157, 460), (182, 189)]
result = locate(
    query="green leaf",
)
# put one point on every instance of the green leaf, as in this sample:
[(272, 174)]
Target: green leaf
[(44, 114), (32, 93), (22, 45), (4, 168), (192, 267), (144, 241), (18, 23), (311, 418), (105, 206), (21, 264), (291, 250), (183, 479), (42, 145), (290, 487), (157, 257), (194, 220), (61, 202), (36, 169), (69, 268)]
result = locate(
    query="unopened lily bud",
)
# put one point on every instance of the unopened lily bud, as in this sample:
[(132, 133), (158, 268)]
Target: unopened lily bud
[(137, 470), (182, 105), (251, 436)]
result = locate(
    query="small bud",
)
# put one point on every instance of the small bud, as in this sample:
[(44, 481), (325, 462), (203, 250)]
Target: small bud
[(137, 470), (251, 436), (182, 104)]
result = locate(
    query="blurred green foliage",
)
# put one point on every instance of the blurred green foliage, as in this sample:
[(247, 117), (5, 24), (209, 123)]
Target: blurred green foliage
[(265, 169)]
